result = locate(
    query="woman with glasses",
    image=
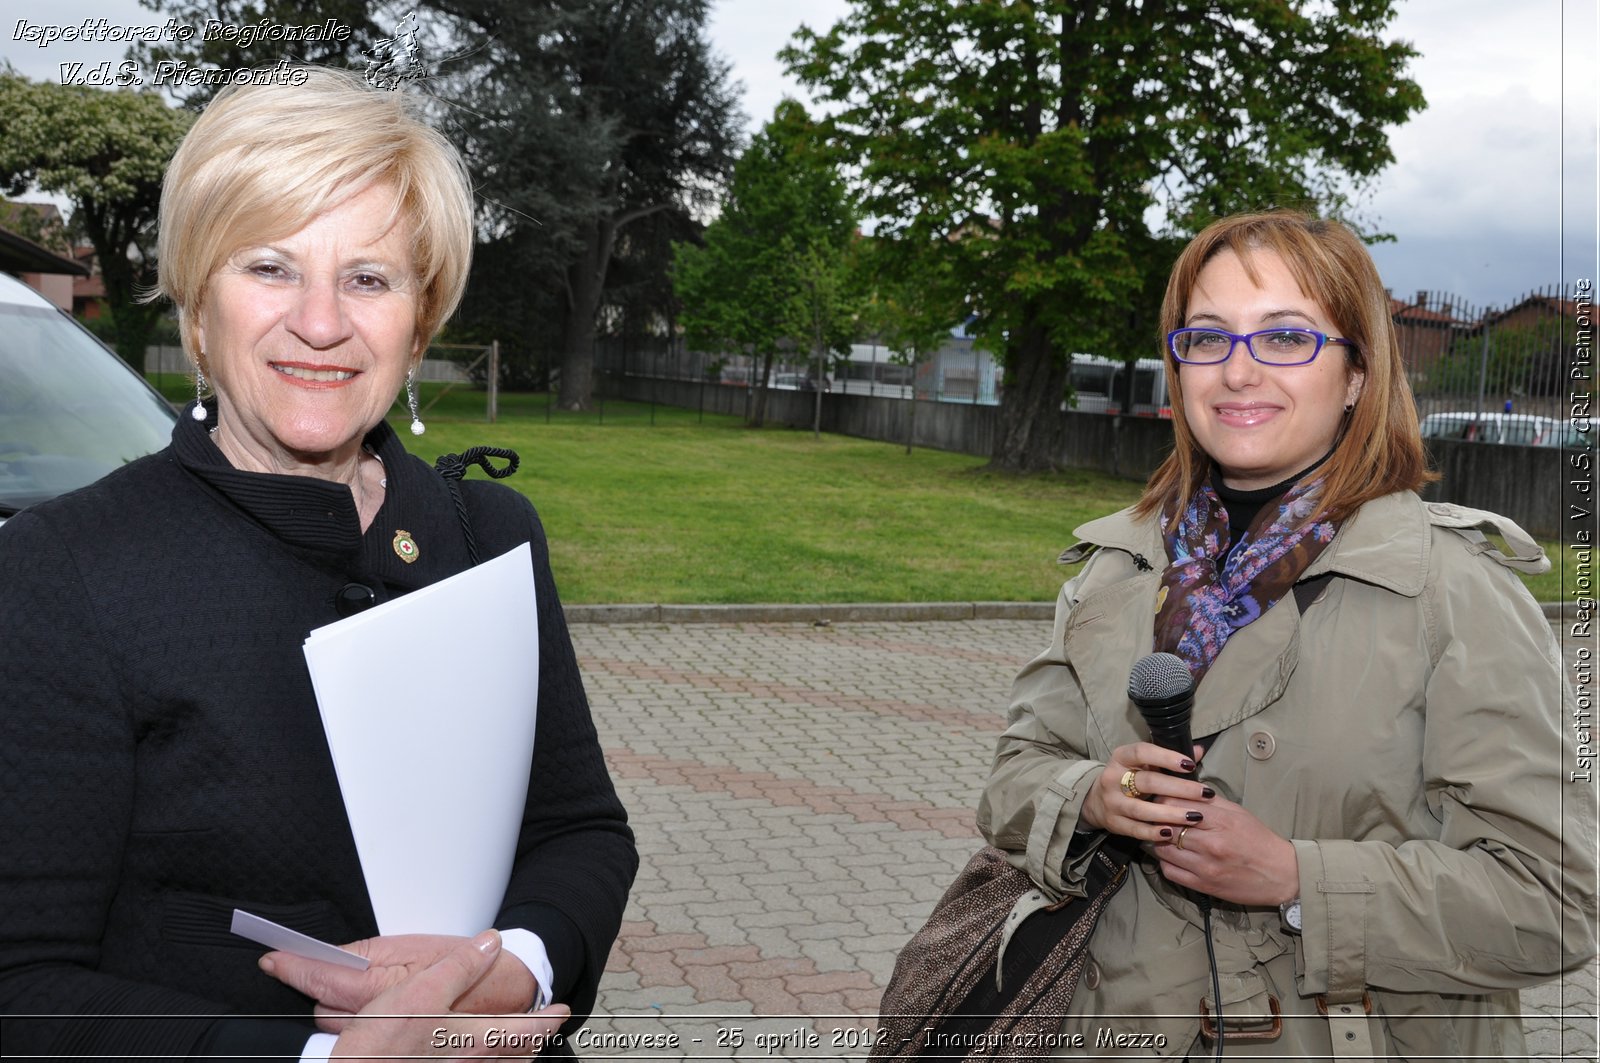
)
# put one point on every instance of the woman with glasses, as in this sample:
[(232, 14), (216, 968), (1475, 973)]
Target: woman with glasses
[(1365, 849)]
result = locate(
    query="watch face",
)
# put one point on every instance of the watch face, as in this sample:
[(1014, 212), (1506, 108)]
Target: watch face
[(1291, 914)]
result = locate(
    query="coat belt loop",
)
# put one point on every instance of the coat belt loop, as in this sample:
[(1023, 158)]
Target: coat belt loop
[(1350, 1026), (1347, 1004)]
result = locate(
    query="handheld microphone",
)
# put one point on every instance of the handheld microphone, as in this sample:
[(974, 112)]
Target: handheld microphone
[(1163, 690)]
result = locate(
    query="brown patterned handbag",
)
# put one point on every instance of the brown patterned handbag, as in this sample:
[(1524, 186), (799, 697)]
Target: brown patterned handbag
[(945, 999)]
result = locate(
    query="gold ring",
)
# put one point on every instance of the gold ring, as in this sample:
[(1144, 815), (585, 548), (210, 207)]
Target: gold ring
[(1181, 833), (1127, 784)]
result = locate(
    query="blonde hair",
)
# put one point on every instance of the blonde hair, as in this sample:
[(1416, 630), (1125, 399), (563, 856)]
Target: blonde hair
[(263, 161), (1379, 450)]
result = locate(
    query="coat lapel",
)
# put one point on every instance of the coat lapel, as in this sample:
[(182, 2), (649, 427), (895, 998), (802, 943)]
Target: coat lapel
[(1113, 626), (1252, 670), (1109, 631)]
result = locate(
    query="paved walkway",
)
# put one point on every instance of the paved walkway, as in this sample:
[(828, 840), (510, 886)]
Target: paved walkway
[(802, 795)]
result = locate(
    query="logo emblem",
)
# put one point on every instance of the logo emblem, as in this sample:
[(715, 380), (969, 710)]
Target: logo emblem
[(397, 59), (405, 546)]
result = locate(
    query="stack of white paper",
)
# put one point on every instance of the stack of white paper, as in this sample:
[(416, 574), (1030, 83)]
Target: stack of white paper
[(429, 703)]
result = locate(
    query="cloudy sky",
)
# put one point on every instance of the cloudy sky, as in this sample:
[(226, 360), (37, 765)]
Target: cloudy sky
[(1475, 197), (1495, 185)]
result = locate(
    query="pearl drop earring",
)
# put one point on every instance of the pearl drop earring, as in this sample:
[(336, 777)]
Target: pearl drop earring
[(417, 427), (199, 410)]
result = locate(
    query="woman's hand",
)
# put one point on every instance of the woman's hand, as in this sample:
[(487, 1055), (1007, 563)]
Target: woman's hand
[(415, 1018), (340, 992), (1230, 855), (1108, 807)]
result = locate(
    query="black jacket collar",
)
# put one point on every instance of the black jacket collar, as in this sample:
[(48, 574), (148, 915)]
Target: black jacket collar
[(319, 517)]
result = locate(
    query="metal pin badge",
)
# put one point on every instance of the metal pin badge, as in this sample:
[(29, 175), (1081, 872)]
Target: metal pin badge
[(405, 546)]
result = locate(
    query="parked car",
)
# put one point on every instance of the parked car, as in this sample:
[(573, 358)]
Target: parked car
[(1572, 434), (70, 409), (798, 382), (1525, 429)]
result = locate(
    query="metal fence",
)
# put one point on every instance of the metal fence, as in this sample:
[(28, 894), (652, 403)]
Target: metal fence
[(657, 358), (1464, 359), (1461, 359)]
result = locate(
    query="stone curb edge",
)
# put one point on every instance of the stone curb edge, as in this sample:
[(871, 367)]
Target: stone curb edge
[(883, 612), (857, 612), (1564, 612)]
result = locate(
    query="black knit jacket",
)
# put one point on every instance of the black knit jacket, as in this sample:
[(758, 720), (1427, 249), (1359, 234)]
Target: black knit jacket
[(164, 761)]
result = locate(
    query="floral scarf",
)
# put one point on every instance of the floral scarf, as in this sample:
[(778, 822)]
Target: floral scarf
[(1201, 604)]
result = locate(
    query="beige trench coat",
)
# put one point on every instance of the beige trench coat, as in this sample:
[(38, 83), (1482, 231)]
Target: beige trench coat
[(1406, 733)]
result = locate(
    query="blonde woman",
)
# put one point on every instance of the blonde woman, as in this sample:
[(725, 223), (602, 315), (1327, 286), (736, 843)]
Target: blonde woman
[(164, 755)]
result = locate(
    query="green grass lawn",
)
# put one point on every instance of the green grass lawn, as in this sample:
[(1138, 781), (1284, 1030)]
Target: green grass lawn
[(721, 513), (692, 509)]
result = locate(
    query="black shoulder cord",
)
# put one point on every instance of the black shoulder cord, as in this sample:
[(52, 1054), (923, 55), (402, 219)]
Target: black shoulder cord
[(454, 466)]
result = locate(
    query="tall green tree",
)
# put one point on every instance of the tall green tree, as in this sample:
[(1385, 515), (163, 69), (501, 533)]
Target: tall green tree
[(1029, 145), (107, 152), (50, 230), (1524, 360), (825, 312), (913, 305), (593, 126), (772, 274)]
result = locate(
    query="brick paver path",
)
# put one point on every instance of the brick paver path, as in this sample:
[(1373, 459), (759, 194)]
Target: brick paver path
[(801, 797)]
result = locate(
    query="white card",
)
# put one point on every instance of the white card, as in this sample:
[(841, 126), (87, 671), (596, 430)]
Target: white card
[(266, 932)]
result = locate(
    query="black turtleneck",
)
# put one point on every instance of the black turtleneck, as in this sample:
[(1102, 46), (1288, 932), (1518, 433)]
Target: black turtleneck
[(1242, 506)]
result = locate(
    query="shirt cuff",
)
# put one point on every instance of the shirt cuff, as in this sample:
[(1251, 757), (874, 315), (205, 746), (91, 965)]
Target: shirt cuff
[(1049, 842), (528, 947), (525, 945), (318, 1048)]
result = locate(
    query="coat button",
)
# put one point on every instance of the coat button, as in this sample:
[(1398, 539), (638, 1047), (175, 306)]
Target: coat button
[(1091, 976), (1261, 745)]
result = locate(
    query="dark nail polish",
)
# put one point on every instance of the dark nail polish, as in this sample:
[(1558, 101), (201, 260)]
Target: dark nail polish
[(1166, 832), (1193, 817), (1207, 792), (1187, 764)]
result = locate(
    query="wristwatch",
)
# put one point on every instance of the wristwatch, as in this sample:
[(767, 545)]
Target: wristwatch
[(1290, 913)]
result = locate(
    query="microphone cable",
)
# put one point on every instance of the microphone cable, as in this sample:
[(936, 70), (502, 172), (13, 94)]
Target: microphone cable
[(1161, 687), (1216, 979)]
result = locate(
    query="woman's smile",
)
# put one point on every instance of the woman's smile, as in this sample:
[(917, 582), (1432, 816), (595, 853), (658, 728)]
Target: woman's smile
[(1246, 415), (314, 374)]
